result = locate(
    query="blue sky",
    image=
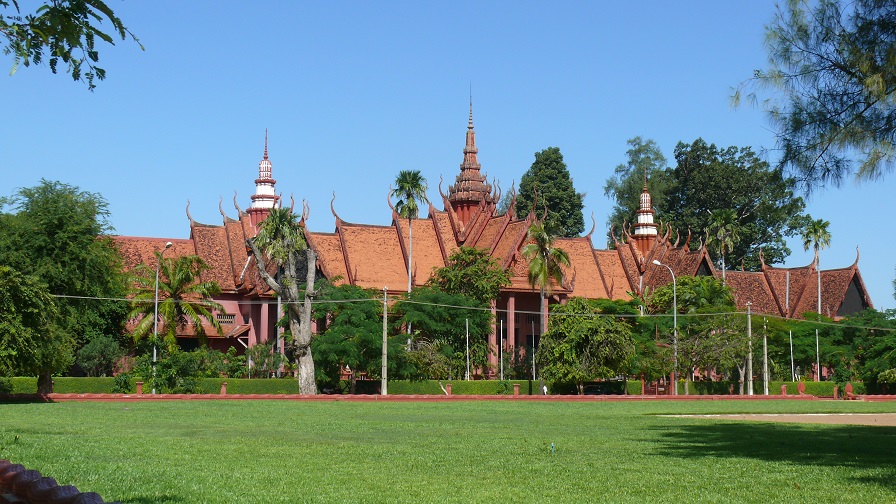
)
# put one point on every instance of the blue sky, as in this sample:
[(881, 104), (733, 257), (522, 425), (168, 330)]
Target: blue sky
[(354, 92)]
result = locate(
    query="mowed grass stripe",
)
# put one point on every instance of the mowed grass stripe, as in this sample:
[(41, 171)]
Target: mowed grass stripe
[(277, 451)]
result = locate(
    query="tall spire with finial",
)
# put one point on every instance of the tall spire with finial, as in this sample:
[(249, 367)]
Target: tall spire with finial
[(471, 186), (646, 228), (265, 197)]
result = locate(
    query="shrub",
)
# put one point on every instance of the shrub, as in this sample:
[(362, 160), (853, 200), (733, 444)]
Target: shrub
[(99, 356), (123, 384), (5, 385)]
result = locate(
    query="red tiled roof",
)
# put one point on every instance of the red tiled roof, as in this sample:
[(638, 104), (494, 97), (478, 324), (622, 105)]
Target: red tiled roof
[(751, 287), (445, 232), (330, 260), (426, 252), (374, 256), (211, 246), (613, 274), (583, 271)]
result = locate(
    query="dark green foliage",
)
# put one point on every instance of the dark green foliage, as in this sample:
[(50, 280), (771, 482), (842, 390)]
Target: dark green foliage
[(831, 63), (625, 186), (124, 384), (460, 387), (353, 338), (707, 179), (583, 344), (59, 234), (99, 357), (550, 179), (874, 349), (65, 30), (30, 341), (439, 318), (472, 272)]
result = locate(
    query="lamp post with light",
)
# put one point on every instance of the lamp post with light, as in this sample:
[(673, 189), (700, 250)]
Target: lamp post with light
[(675, 324), (155, 323)]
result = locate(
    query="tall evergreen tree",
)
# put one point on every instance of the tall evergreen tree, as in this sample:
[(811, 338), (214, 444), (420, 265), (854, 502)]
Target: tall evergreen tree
[(831, 66), (550, 179)]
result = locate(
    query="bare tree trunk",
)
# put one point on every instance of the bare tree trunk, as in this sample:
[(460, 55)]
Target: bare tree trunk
[(45, 383), (304, 360), (741, 368)]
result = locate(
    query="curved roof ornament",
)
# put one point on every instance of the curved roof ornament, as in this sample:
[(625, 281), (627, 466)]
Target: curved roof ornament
[(762, 258), (236, 205), (188, 213), (389, 197), (677, 238), (306, 211), (687, 241), (333, 210), (221, 207), (292, 203), (593, 226), (440, 187), (856, 263), (496, 195)]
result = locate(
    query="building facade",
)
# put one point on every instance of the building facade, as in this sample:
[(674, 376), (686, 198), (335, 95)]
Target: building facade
[(374, 256)]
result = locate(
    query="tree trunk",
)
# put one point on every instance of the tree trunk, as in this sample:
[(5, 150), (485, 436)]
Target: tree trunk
[(45, 383), (740, 386), (687, 381), (307, 383)]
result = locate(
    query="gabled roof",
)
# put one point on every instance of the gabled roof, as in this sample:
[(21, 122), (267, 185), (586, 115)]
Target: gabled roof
[(426, 252), (373, 256), (583, 273)]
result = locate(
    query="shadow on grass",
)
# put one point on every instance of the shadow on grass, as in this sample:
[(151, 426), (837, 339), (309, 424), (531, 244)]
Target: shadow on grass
[(24, 398), (852, 446)]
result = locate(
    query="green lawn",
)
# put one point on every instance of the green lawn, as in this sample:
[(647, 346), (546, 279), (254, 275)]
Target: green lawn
[(492, 451)]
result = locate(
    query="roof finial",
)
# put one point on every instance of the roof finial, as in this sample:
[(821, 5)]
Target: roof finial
[(470, 125), (265, 143)]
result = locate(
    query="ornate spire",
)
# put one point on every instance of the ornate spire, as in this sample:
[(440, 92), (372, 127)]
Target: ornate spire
[(471, 185), (645, 229), (265, 197)]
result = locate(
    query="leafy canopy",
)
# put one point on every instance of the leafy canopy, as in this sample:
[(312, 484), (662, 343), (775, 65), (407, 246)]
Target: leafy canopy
[(472, 272), (707, 179), (550, 179), (59, 234), (833, 82), (582, 344), (61, 30)]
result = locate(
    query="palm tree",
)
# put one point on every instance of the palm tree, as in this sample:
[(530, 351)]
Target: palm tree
[(281, 242), (410, 187), (183, 298), (724, 232), (545, 263), (816, 235)]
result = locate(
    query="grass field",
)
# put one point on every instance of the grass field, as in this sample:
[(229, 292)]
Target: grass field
[(283, 451)]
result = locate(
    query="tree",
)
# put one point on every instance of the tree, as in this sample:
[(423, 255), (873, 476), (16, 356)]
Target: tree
[(709, 335), (440, 318), (98, 358), (281, 244), (546, 263), (548, 181), (831, 63), (184, 299), (472, 272), (65, 30), (724, 232), (30, 341), (352, 340), (707, 179), (60, 235), (583, 344), (646, 165), (816, 235), (410, 187)]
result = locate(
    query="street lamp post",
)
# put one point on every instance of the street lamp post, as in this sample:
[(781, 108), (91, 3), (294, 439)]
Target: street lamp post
[(675, 324), (155, 322)]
